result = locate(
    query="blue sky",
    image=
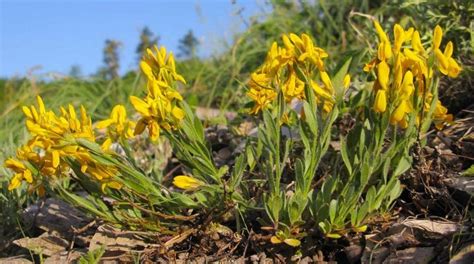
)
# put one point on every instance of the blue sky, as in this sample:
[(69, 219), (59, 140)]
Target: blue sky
[(56, 34)]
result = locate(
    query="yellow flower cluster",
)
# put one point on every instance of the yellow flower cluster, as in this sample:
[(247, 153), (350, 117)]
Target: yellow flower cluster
[(118, 126), (280, 73), (404, 65), (52, 142), (159, 109)]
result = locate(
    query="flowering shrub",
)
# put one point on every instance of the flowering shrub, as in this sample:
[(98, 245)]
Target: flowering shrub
[(295, 103)]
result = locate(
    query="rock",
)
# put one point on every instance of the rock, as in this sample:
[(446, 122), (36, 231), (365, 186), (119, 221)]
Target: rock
[(59, 218), (15, 260), (46, 244), (464, 256), (415, 255)]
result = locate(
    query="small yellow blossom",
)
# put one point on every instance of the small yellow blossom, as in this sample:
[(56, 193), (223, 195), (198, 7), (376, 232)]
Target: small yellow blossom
[(187, 182)]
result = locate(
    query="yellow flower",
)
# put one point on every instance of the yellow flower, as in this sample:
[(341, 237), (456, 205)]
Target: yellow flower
[(187, 182), (293, 88), (446, 64), (159, 108), (22, 173), (117, 126), (262, 98)]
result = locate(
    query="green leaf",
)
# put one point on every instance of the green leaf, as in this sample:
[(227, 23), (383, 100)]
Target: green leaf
[(332, 210), (403, 165), (345, 157), (338, 78), (469, 172)]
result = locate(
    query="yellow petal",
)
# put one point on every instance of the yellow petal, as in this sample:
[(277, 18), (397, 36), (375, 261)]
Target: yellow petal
[(399, 112), (15, 182), (347, 81), (399, 33), (454, 68), (437, 36), (382, 35), (416, 43), (383, 73), (140, 105), (27, 176), (326, 80), (106, 145), (154, 130), (443, 62), (27, 112), (178, 113), (146, 69), (380, 101), (104, 123), (55, 157), (448, 50), (14, 165), (41, 107)]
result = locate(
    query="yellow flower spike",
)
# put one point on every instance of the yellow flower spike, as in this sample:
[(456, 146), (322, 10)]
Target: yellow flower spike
[(380, 101), (416, 43), (187, 182), (437, 36), (347, 81), (383, 73)]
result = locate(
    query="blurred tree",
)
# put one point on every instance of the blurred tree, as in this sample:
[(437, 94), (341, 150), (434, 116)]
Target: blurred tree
[(75, 71), (188, 45), (111, 58), (147, 40)]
